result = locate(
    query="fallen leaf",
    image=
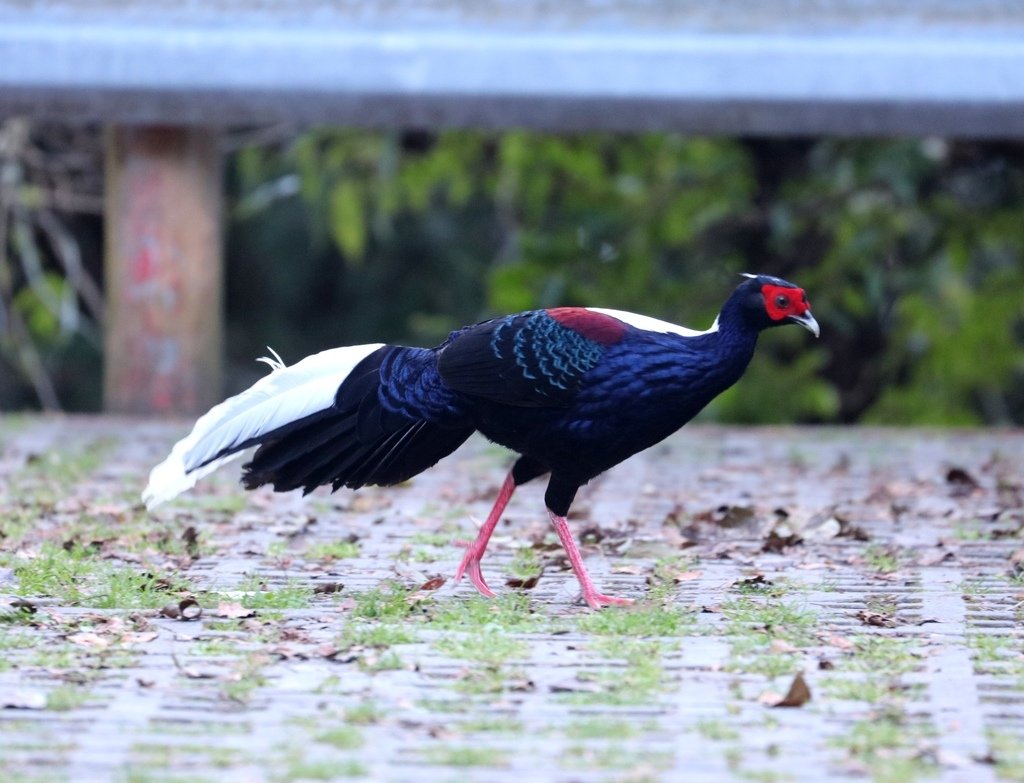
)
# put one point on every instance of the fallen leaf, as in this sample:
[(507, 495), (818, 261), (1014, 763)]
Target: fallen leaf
[(797, 695), (877, 619), (186, 609), (191, 540), (728, 516), (198, 674), (433, 583), (961, 482), (687, 576), (233, 611), (781, 646), (142, 637), (523, 584), (22, 699), (935, 557), (841, 642), (758, 580), (575, 686), (634, 569), (780, 539), (91, 640)]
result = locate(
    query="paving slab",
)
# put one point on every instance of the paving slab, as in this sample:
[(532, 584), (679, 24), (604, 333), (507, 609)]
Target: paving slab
[(811, 604)]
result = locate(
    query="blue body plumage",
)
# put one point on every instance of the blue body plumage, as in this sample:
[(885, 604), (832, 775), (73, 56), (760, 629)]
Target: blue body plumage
[(572, 390)]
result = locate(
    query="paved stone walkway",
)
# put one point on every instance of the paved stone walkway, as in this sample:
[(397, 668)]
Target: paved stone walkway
[(235, 636)]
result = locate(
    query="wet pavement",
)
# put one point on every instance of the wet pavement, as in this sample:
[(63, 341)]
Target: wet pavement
[(812, 604)]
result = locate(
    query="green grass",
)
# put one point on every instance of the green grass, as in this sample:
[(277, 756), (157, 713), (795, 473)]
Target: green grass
[(380, 635), (432, 539), (639, 681), (888, 748), (717, 730), (770, 619), (217, 647), (601, 728), (487, 679), (465, 756), (882, 654), (333, 550), (387, 602), (171, 755), (613, 757), (492, 725), (298, 768), (873, 690), (78, 577), (1008, 751), (490, 647), (64, 698), (526, 565), (884, 560), (365, 713), (246, 679), (642, 620), (341, 737), (256, 595), (507, 612), (387, 660), (766, 663)]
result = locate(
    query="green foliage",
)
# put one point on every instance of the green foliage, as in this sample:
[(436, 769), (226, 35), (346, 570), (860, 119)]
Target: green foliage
[(912, 251)]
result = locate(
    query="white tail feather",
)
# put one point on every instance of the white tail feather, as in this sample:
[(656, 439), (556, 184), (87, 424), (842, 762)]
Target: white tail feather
[(287, 394)]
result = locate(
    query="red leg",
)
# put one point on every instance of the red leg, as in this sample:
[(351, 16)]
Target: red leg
[(594, 599), (475, 551)]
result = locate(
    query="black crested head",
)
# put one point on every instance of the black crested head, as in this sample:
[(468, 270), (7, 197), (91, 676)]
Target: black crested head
[(763, 301)]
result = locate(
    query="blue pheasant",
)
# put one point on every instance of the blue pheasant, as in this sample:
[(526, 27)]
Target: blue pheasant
[(572, 390)]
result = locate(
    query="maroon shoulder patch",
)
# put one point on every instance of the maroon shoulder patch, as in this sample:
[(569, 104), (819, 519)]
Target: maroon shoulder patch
[(598, 327)]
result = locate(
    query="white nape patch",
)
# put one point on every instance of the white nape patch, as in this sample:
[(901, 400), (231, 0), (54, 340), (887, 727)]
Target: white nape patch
[(653, 324), (285, 395)]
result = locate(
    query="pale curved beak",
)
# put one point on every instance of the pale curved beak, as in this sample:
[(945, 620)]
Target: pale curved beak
[(807, 322)]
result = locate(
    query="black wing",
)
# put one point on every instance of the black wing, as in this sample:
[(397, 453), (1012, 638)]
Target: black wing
[(535, 359)]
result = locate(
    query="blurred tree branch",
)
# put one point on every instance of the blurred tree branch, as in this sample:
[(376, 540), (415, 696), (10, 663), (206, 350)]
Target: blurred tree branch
[(47, 296)]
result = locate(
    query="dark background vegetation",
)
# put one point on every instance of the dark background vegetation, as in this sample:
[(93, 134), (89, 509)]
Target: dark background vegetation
[(912, 252)]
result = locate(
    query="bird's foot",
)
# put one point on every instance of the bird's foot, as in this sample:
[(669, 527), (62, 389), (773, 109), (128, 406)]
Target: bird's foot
[(471, 565), (596, 600)]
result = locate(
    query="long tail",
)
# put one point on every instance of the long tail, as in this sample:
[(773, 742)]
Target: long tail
[(317, 422)]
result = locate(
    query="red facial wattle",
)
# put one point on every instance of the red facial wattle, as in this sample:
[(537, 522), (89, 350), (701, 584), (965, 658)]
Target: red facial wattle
[(782, 302)]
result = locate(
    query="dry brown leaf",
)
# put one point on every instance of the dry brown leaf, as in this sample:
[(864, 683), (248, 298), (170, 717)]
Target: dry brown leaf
[(523, 584), (233, 610), (434, 583), (186, 609), (634, 569), (797, 695), (877, 619), (91, 640), (935, 557), (139, 637), (840, 642)]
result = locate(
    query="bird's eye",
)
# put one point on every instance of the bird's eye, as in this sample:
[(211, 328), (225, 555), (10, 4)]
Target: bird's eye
[(781, 302)]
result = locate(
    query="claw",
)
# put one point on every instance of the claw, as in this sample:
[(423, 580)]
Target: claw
[(475, 551), (477, 578), (594, 599), (597, 600), (471, 564)]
